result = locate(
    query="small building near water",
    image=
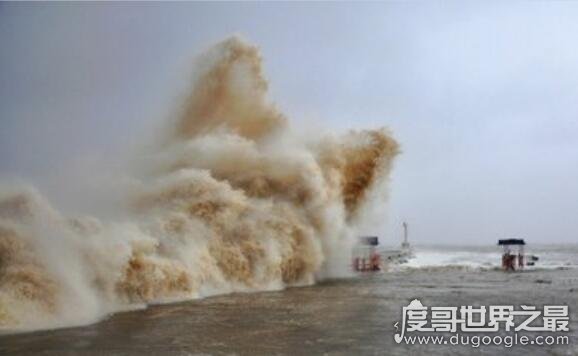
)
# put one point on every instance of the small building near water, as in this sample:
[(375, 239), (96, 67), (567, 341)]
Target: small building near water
[(365, 254), (513, 257)]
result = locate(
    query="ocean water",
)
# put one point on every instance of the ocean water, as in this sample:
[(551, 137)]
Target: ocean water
[(489, 257), (354, 316)]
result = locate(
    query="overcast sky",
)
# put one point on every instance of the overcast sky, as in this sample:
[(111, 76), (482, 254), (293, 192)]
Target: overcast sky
[(482, 97)]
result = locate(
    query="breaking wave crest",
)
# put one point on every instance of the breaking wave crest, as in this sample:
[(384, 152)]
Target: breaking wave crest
[(231, 200)]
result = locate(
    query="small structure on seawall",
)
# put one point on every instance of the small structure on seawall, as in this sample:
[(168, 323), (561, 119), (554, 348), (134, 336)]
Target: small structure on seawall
[(402, 255), (513, 256), (366, 258)]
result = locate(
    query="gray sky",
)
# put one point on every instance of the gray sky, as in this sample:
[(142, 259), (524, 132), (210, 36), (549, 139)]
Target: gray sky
[(482, 97)]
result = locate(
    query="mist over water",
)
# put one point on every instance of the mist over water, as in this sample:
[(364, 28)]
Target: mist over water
[(230, 199)]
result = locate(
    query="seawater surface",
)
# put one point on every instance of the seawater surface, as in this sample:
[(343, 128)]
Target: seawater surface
[(340, 317)]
